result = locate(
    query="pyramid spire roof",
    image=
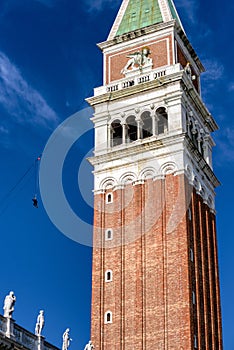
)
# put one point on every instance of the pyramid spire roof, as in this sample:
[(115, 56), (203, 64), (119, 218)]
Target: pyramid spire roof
[(137, 14)]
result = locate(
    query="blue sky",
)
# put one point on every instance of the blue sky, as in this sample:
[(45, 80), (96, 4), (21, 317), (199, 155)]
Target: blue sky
[(49, 63)]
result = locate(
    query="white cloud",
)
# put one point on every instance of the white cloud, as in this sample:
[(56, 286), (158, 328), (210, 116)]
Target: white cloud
[(231, 86), (189, 7), (23, 103), (211, 79), (229, 132), (225, 144), (3, 130), (214, 70)]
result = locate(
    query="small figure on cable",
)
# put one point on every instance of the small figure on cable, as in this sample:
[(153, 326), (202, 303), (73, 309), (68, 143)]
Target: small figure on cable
[(34, 199), (35, 202)]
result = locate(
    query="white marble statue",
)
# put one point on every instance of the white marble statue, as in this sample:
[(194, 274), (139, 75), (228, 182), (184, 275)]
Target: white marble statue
[(66, 339), (138, 60), (40, 323), (9, 303), (89, 346), (188, 70)]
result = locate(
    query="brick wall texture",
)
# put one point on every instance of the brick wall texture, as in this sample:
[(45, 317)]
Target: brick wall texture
[(163, 255), (161, 53)]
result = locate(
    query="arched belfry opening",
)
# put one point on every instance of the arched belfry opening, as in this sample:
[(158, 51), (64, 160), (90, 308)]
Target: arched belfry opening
[(131, 125), (147, 125), (162, 117), (116, 133)]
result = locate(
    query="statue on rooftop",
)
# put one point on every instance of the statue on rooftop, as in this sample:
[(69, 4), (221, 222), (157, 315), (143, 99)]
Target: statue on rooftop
[(138, 59), (66, 339), (89, 346), (40, 323), (188, 70), (9, 303)]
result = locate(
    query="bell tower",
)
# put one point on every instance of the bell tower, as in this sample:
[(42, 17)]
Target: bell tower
[(155, 281)]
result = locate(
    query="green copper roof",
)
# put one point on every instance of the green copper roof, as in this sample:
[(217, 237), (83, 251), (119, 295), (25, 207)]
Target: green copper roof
[(173, 12), (139, 14)]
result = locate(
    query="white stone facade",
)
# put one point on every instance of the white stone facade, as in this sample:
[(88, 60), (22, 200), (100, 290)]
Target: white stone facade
[(184, 146)]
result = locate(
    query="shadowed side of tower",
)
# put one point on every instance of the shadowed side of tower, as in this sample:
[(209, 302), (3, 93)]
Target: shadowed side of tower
[(155, 269)]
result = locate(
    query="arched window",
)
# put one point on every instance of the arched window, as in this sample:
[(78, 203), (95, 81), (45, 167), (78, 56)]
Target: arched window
[(116, 133), (109, 198), (108, 317), (147, 125), (193, 297), (189, 214), (191, 255), (195, 342), (109, 234), (131, 128), (108, 276), (162, 120)]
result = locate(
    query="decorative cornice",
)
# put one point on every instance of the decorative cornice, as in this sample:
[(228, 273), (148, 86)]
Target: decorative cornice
[(201, 162), (196, 180), (107, 97), (134, 148), (187, 87), (196, 98), (99, 191), (138, 182), (189, 47), (136, 34)]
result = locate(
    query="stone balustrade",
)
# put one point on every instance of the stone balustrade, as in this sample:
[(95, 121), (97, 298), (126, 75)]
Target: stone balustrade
[(21, 337), (137, 77)]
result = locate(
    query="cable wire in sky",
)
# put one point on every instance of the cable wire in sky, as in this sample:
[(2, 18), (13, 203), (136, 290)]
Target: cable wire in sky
[(13, 190)]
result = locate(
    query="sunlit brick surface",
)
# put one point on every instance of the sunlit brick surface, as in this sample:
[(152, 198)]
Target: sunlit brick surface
[(154, 276)]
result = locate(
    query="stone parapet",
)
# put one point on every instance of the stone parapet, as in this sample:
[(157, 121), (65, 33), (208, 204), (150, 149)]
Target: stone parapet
[(17, 337)]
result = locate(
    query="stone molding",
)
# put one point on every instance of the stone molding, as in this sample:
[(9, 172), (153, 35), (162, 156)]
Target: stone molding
[(136, 34), (150, 173)]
